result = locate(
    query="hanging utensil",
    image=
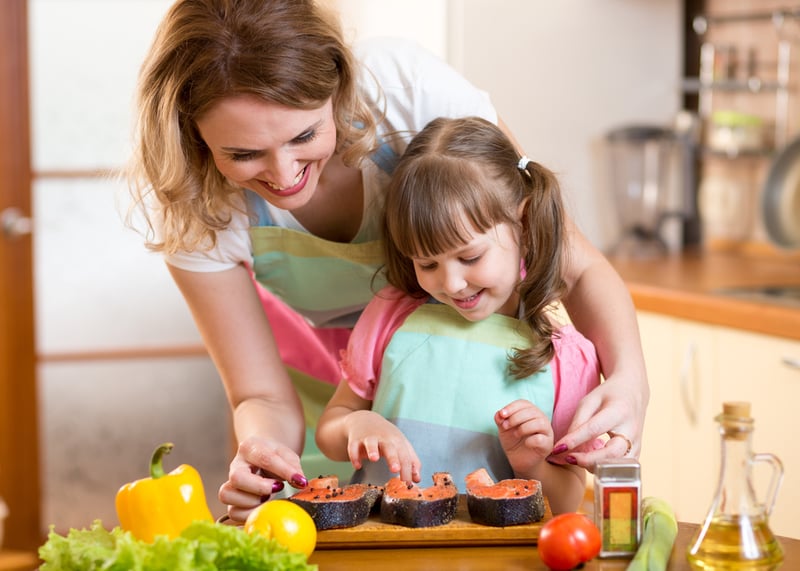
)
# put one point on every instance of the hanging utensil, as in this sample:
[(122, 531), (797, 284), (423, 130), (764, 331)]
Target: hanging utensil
[(780, 200)]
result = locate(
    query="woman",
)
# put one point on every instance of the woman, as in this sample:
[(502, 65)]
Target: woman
[(264, 145)]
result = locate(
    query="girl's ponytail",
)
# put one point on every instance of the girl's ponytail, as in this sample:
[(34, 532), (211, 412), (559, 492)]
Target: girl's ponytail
[(543, 245)]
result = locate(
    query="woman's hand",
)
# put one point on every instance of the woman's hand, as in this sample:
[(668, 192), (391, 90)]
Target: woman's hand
[(525, 433), (371, 436), (257, 471), (617, 408)]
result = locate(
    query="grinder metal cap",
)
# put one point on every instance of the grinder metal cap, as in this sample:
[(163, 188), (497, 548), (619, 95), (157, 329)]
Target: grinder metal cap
[(618, 468)]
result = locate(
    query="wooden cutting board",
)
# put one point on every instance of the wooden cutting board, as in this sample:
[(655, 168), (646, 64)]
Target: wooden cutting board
[(461, 531)]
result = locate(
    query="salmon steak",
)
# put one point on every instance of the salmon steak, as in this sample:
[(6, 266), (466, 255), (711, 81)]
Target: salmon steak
[(411, 506), (514, 501), (332, 506)]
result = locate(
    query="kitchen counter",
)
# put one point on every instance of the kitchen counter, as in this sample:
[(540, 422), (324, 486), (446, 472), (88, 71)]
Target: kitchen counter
[(490, 558), (18, 561), (690, 285), (477, 558)]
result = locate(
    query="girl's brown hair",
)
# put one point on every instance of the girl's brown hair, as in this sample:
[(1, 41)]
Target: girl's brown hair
[(466, 169), (289, 52)]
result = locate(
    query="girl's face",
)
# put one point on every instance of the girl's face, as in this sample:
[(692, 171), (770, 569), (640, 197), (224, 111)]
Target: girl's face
[(477, 279), (276, 151)]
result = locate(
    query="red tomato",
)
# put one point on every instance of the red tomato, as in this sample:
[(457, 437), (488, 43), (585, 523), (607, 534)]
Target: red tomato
[(568, 540)]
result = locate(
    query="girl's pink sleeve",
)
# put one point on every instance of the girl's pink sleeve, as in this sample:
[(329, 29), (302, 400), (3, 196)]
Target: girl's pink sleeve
[(361, 361), (576, 371)]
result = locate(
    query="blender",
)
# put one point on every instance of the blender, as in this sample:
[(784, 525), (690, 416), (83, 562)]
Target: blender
[(643, 168)]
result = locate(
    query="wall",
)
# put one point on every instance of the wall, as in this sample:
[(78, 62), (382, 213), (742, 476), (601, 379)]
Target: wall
[(370, 18), (562, 74)]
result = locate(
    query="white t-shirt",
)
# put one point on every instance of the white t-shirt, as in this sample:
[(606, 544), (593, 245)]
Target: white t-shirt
[(407, 83)]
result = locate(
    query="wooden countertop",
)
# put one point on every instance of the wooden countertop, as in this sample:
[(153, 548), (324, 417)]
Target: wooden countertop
[(518, 557), (18, 561), (478, 558), (688, 286)]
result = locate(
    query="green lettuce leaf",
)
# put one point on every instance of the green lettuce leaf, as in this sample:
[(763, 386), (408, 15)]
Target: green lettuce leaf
[(203, 546)]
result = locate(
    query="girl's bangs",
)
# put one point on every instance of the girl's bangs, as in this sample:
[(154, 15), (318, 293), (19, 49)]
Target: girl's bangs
[(443, 215)]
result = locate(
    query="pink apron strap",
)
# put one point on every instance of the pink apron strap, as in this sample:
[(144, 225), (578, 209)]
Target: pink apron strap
[(312, 351)]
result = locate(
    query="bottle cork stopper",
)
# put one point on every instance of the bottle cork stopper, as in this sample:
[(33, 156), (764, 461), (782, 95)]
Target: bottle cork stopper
[(738, 409), (735, 421)]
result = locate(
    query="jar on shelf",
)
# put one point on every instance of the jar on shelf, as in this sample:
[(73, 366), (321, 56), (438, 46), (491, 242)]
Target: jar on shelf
[(725, 62), (726, 205), (734, 132)]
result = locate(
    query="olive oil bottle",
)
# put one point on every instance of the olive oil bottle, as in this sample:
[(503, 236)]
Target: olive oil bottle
[(735, 534)]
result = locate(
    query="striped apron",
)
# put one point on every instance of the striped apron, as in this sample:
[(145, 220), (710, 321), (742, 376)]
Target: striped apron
[(313, 291), (442, 380)]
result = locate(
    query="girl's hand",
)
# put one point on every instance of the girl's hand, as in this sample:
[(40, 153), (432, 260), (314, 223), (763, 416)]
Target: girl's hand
[(259, 470), (371, 436), (613, 408), (525, 434)]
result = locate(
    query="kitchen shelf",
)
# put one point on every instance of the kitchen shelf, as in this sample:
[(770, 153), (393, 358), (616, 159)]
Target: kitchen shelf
[(720, 76), (777, 17), (750, 154), (750, 85)]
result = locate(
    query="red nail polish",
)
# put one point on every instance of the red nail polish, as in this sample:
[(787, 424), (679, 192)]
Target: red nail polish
[(560, 448), (277, 486), (299, 481), (571, 460)]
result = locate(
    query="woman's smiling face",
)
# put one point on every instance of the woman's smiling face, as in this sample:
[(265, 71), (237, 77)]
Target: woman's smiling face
[(273, 150)]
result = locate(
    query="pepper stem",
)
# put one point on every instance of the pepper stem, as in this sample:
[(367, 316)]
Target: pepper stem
[(156, 466)]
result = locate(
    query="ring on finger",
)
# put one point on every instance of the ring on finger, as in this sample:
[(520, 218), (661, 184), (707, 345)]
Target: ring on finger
[(625, 438)]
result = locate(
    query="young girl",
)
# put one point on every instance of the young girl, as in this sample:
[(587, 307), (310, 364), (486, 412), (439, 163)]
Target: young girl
[(264, 148), (460, 363)]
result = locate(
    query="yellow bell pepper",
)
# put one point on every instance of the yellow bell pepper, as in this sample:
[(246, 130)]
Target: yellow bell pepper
[(164, 504)]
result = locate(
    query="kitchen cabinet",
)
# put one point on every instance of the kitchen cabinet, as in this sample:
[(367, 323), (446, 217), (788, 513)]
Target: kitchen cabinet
[(679, 444), (693, 368), (765, 370), (18, 561), (657, 454)]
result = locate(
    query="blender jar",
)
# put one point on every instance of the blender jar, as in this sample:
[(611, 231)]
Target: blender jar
[(641, 160)]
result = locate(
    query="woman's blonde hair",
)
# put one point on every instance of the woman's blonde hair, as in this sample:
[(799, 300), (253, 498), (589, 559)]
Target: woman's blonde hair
[(290, 52), (465, 171)]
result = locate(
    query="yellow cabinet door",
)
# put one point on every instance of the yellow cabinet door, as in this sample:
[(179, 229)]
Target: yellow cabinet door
[(657, 333), (765, 371), (679, 448), (696, 444)]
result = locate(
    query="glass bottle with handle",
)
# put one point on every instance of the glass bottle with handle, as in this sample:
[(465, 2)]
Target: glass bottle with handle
[(735, 534)]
